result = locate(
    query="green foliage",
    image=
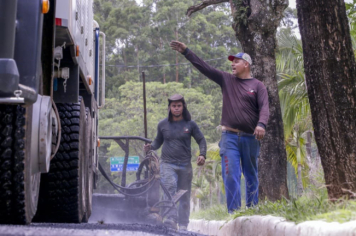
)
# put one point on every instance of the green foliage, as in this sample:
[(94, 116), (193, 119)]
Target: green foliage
[(138, 39), (216, 212), (124, 115), (345, 214), (305, 208), (314, 205), (213, 151), (289, 57), (289, 19), (240, 16), (351, 14), (294, 102)]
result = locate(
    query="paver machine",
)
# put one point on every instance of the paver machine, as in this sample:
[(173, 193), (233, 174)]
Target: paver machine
[(146, 199), (50, 94)]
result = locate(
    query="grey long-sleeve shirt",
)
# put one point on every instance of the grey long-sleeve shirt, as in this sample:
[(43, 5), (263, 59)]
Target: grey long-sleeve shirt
[(176, 139)]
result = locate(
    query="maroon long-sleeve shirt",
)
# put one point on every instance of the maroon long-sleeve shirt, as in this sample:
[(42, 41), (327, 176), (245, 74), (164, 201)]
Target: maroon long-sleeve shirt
[(245, 101)]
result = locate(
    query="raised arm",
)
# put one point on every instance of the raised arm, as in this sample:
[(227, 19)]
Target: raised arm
[(207, 70)]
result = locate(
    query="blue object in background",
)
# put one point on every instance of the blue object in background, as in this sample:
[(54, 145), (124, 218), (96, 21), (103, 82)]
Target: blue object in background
[(119, 167), (55, 84)]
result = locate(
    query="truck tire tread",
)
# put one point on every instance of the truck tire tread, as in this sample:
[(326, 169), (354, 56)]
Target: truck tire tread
[(60, 192), (12, 156)]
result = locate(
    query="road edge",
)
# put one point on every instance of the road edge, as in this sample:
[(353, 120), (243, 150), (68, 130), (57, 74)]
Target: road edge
[(271, 226)]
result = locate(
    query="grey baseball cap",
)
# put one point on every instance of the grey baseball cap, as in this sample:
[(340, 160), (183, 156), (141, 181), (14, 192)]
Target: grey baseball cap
[(241, 55)]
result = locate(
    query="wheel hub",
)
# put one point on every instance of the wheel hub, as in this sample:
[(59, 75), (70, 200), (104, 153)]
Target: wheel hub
[(41, 134)]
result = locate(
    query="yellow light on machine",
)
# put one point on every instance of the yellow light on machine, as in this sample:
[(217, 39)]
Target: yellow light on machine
[(77, 51), (45, 6), (90, 80)]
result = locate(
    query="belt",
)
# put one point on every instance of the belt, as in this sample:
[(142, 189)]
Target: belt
[(240, 133), (223, 128)]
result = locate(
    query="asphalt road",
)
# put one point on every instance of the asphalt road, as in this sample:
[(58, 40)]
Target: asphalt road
[(97, 229), (112, 214)]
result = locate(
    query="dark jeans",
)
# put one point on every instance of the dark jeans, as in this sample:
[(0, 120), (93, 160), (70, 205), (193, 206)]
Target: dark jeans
[(239, 151), (174, 177)]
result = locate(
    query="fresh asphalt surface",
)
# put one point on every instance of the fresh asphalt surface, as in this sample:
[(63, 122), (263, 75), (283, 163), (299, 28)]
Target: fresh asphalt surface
[(111, 214), (97, 229)]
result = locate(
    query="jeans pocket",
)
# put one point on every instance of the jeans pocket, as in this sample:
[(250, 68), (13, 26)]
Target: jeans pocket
[(222, 144)]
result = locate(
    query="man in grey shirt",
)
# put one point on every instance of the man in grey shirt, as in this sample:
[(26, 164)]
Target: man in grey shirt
[(176, 172)]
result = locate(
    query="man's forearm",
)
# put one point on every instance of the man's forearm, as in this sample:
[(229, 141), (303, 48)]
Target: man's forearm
[(204, 68), (185, 51), (155, 145), (202, 147), (158, 141)]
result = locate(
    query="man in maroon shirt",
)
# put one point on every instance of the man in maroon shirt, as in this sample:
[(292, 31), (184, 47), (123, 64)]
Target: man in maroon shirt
[(244, 119)]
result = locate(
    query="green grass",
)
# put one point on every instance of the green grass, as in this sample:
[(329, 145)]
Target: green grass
[(217, 212), (296, 210), (306, 208)]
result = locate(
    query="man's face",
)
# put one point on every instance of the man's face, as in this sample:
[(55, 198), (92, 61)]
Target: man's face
[(239, 66), (176, 108)]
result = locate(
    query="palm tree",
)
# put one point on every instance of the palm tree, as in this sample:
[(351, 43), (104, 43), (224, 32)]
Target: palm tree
[(207, 181), (294, 102), (293, 96), (199, 185), (351, 14), (214, 155)]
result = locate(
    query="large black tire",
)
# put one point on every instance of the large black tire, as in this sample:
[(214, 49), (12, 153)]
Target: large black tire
[(18, 187), (62, 193)]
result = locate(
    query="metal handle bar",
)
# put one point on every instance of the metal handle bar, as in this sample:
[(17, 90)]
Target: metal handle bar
[(127, 137)]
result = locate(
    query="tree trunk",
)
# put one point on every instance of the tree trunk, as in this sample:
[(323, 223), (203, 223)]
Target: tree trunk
[(299, 181), (210, 195), (330, 72), (258, 39), (190, 76), (312, 164), (138, 63), (218, 192), (124, 54), (308, 147), (177, 75)]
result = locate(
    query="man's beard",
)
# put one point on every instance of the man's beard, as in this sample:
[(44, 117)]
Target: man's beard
[(176, 115)]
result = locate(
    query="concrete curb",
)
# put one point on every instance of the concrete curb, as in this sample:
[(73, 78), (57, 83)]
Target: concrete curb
[(271, 226)]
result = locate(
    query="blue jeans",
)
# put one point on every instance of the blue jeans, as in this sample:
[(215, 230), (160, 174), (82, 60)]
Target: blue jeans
[(239, 152), (175, 176)]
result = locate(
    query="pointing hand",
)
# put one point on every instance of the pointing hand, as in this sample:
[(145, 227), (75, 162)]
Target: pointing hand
[(178, 46)]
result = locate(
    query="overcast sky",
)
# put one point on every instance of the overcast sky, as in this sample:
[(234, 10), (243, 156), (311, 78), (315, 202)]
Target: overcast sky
[(292, 3)]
